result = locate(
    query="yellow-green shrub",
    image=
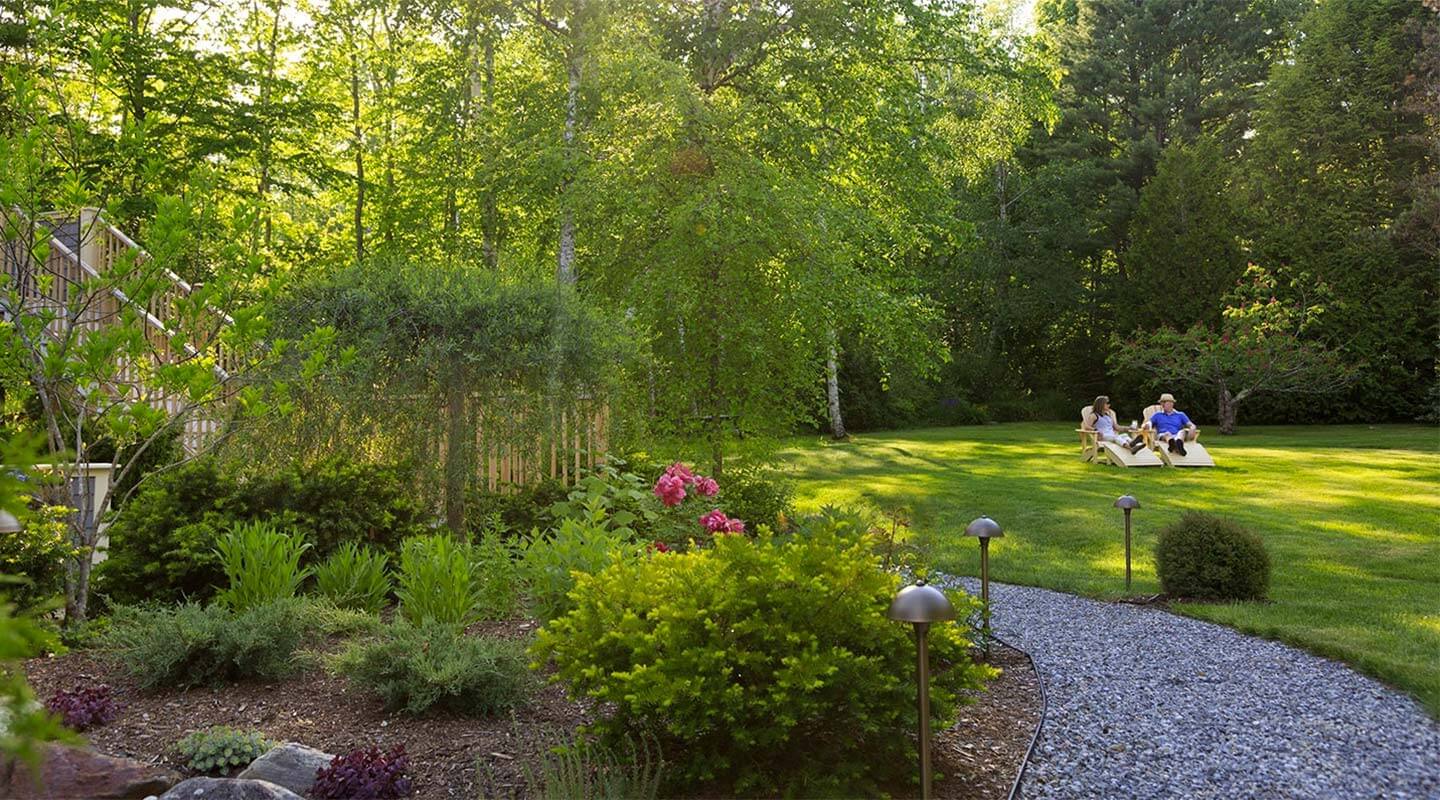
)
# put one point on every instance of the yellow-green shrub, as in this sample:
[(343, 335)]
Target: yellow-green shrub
[(762, 667)]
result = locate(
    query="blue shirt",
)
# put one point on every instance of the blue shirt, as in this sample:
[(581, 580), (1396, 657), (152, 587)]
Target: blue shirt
[(1169, 423)]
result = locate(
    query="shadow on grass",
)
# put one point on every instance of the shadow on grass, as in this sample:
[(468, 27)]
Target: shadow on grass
[(1347, 513)]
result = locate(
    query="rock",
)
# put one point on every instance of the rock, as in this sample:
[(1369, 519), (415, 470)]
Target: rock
[(228, 789), (68, 771), (290, 765)]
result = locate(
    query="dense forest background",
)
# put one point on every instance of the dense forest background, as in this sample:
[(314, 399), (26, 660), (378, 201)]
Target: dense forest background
[(893, 212)]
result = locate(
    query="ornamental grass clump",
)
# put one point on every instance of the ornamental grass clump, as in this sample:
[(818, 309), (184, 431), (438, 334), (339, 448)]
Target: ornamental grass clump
[(354, 577), (439, 581), (84, 707), (761, 666), (1205, 557), (584, 769), (262, 564)]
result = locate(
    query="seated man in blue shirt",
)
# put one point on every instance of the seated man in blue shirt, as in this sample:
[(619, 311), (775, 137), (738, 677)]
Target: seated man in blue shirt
[(1171, 426)]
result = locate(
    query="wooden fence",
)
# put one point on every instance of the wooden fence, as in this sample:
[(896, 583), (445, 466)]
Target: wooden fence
[(510, 453)]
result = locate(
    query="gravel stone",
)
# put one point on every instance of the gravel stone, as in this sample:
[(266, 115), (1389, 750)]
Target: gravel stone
[(1148, 704)]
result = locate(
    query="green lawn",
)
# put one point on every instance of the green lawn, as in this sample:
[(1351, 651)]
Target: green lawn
[(1350, 515)]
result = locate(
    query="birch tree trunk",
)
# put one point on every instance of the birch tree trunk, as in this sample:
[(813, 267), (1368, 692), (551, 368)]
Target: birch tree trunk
[(565, 265), (832, 389), (359, 145)]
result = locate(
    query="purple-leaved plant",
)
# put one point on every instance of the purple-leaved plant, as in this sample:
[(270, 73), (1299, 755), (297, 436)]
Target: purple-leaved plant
[(84, 706), (364, 775)]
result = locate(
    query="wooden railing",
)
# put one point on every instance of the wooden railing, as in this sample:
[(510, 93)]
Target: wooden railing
[(85, 248)]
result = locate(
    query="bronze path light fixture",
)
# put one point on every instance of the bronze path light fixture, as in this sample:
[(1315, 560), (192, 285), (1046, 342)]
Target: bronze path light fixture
[(921, 605), (985, 529), (1128, 503)]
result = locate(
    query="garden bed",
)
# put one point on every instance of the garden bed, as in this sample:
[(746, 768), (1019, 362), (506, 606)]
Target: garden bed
[(978, 758)]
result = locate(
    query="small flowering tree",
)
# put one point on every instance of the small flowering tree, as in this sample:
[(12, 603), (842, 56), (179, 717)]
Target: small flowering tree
[(1258, 348)]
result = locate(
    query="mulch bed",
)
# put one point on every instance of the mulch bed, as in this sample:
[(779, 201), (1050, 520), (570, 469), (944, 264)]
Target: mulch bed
[(978, 758)]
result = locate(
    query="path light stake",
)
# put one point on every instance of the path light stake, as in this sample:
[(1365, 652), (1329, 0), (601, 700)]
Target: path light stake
[(922, 605), (985, 529), (1128, 503)]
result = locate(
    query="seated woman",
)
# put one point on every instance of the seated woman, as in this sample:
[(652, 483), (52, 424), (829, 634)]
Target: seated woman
[(1106, 429)]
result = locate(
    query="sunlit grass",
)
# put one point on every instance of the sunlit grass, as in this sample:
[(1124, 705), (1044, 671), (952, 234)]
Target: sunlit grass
[(1349, 514)]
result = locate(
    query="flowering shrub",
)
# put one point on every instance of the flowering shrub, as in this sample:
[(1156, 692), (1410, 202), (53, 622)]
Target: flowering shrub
[(670, 489), (368, 774), (84, 707), (764, 666), (674, 486), (716, 522)]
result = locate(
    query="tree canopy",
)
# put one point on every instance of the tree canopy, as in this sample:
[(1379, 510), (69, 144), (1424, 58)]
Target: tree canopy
[(900, 211)]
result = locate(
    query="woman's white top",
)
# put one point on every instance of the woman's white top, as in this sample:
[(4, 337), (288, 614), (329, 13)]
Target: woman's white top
[(1105, 425)]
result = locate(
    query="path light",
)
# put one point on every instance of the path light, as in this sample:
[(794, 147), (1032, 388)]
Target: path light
[(1128, 503), (922, 605), (985, 529)]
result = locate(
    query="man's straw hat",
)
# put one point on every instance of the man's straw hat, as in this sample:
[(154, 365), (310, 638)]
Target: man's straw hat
[(1167, 397)]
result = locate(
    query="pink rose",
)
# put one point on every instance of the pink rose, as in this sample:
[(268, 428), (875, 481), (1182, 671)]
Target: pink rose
[(660, 547), (707, 486), (670, 490), (714, 521), (734, 526), (679, 470)]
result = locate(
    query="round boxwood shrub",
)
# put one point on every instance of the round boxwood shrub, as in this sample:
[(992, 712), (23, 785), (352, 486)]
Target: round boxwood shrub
[(1205, 557), (761, 667)]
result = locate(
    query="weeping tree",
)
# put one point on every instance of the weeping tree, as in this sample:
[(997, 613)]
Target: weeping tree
[(409, 361)]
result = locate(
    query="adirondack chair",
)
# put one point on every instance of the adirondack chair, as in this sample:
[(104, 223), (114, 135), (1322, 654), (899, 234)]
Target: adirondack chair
[(1195, 453), (1092, 449)]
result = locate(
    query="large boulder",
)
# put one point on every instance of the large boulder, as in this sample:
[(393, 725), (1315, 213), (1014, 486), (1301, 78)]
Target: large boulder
[(77, 772), (291, 765), (228, 789)]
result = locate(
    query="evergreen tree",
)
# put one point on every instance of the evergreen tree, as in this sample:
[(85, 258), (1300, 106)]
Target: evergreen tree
[(1138, 77), (1185, 252), (1336, 159)]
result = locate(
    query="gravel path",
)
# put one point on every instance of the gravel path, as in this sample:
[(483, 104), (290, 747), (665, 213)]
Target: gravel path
[(1147, 704)]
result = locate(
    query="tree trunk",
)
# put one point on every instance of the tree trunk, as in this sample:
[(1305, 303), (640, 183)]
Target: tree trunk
[(457, 460), (1227, 406), (262, 190), (832, 390), (77, 585), (85, 535), (489, 207), (359, 143), (565, 265)]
